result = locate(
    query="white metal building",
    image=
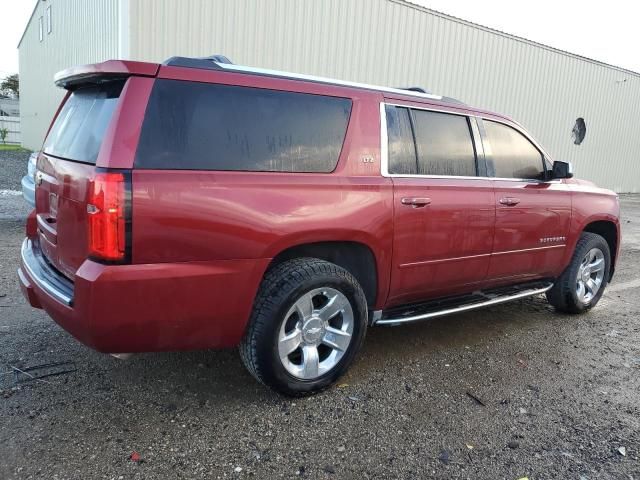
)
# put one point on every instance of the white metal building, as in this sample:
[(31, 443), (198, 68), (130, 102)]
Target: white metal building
[(384, 42)]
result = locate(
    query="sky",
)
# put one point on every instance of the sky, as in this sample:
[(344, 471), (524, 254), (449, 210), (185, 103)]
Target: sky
[(605, 31), (15, 15)]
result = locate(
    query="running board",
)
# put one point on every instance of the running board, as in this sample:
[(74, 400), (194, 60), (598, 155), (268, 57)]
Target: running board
[(447, 306)]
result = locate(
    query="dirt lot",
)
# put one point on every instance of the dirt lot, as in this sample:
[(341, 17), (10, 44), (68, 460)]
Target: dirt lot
[(558, 398)]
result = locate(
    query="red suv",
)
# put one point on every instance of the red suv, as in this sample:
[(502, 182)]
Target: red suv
[(200, 204)]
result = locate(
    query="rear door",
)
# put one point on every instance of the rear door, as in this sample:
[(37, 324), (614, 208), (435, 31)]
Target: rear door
[(65, 169), (532, 214), (443, 211)]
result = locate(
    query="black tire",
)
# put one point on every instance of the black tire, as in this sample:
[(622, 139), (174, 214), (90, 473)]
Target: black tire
[(281, 287), (563, 295)]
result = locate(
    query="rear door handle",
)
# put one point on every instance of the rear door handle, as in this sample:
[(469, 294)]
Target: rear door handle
[(509, 201), (416, 202)]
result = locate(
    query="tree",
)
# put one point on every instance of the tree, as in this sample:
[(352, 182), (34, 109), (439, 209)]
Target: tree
[(11, 85)]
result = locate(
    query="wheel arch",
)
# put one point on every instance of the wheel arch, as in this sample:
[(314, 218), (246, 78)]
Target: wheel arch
[(609, 231), (355, 257)]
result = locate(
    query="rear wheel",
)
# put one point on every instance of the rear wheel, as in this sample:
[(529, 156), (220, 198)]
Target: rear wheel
[(581, 285), (308, 323)]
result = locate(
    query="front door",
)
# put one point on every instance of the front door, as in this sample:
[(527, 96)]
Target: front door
[(444, 213), (532, 214), (442, 247)]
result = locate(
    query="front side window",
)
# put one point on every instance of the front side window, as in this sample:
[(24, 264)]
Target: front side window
[(444, 144), (202, 126), (513, 155)]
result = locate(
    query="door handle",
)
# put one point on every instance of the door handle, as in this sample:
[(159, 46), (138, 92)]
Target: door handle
[(416, 202), (509, 201)]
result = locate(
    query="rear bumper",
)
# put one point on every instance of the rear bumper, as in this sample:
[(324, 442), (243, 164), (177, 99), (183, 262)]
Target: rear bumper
[(143, 308)]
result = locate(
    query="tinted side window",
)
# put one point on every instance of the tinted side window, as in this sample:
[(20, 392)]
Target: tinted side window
[(444, 144), (402, 152), (200, 126), (514, 156)]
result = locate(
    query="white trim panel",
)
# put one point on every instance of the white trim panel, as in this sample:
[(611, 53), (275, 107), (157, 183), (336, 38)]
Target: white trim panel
[(124, 29)]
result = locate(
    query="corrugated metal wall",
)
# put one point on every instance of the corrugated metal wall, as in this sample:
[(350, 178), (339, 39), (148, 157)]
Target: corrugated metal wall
[(386, 42), (83, 31), (394, 43)]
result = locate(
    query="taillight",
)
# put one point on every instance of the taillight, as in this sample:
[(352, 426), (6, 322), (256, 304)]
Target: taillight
[(109, 212)]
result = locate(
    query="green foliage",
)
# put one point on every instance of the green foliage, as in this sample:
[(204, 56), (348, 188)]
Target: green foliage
[(10, 147), (11, 86), (3, 134)]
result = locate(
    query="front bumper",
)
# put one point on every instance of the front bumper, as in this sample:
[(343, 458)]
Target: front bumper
[(149, 307)]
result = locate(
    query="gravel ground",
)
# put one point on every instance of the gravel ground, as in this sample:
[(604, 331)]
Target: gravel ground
[(503, 393), (13, 166)]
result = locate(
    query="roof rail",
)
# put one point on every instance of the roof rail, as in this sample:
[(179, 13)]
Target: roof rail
[(222, 63), (211, 62), (453, 100), (422, 90)]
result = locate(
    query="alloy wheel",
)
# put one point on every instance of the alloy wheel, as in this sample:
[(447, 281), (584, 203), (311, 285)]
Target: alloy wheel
[(590, 275), (315, 333)]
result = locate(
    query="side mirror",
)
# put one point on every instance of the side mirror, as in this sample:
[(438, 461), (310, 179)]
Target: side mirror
[(561, 170)]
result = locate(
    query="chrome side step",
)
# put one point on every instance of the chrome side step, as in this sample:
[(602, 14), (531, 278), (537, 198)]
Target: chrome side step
[(485, 300)]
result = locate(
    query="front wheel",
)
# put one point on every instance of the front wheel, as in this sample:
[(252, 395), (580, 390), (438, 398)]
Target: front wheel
[(581, 285), (308, 323)]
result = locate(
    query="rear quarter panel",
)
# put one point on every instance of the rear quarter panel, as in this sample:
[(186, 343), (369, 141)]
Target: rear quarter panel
[(193, 216)]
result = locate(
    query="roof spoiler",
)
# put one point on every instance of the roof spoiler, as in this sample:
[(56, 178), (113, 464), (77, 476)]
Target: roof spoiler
[(98, 73)]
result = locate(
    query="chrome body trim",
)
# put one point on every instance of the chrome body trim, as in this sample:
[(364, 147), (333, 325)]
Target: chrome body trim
[(52, 282), (384, 149), (384, 142), (442, 260), (464, 308), (480, 255), (478, 145), (522, 250)]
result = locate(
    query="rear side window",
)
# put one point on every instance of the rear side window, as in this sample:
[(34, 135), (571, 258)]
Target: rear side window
[(513, 155), (402, 150), (80, 126), (444, 144), (200, 126)]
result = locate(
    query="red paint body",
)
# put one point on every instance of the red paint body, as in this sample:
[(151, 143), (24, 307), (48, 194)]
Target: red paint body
[(201, 241)]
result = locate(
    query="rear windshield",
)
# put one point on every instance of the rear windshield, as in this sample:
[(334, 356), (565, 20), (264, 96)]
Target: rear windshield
[(200, 126), (79, 128)]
